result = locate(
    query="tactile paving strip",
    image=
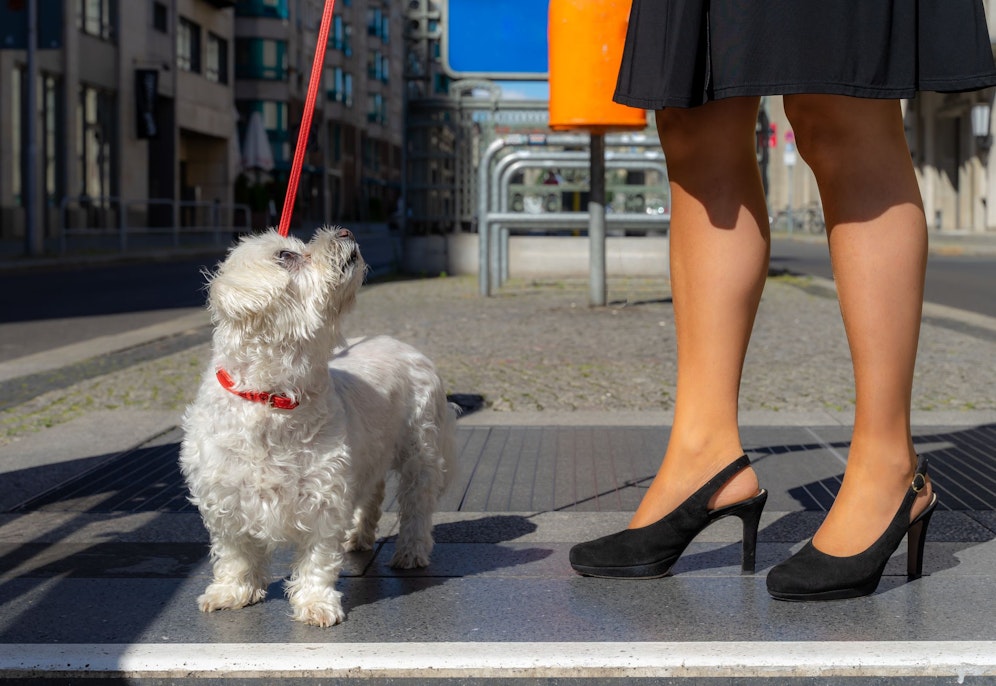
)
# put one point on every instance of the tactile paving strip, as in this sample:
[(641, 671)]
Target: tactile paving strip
[(532, 469)]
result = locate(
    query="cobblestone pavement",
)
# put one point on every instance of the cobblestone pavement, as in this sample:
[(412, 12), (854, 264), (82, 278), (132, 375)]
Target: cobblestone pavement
[(537, 346)]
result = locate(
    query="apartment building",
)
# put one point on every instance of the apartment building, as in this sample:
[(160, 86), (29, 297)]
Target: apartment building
[(142, 109), (352, 169), (134, 103)]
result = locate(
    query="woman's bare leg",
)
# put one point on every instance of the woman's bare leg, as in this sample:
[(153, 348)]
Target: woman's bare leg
[(878, 247), (719, 261)]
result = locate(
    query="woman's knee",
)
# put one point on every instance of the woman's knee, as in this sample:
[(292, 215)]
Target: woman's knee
[(831, 131), (695, 134)]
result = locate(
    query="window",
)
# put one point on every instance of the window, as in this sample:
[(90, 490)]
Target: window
[(378, 24), (96, 18), (337, 34), (371, 154), (385, 28), (275, 120), (378, 111), (336, 142), (51, 139), (440, 83), (339, 86), (340, 36), (334, 83), (188, 46), (216, 59), (160, 16), (276, 9), (377, 67), (347, 98), (260, 58), (16, 105), (95, 134)]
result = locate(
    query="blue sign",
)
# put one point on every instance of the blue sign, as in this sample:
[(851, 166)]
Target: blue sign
[(495, 39)]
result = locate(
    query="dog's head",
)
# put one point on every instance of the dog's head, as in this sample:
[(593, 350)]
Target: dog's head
[(276, 289)]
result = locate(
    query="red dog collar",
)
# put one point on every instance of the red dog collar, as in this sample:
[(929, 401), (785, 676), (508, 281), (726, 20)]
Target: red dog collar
[(277, 400)]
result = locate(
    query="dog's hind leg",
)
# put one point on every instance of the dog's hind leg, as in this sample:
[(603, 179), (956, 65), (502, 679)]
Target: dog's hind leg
[(240, 574), (424, 475), (365, 520)]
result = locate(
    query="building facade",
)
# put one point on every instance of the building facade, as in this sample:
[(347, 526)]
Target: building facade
[(352, 168), (949, 135), (142, 110), (143, 105)]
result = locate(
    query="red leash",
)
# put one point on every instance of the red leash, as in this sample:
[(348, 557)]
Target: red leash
[(309, 110)]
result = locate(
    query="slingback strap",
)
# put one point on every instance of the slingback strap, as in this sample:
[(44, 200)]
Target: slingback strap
[(920, 478), (700, 499), (724, 475)]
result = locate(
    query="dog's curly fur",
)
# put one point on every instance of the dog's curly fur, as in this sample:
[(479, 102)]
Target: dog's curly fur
[(311, 477)]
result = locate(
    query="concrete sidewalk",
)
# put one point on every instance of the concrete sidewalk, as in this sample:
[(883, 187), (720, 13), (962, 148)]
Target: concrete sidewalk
[(101, 557), (100, 576)]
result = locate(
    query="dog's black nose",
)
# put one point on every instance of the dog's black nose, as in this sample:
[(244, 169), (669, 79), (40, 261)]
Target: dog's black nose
[(343, 233)]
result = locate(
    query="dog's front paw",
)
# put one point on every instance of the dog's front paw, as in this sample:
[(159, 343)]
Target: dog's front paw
[(410, 558), (322, 610), (224, 596)]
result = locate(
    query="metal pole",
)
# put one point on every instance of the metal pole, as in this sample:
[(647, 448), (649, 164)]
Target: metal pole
[(791, 188), (790, 159), (33, 237), (596, 223), (483, 208)]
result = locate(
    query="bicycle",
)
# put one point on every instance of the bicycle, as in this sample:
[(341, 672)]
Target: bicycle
[(806, 219)]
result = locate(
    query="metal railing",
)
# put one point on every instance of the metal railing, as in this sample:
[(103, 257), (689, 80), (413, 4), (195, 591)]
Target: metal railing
[(149, 222), (494, 176), (643, 207)]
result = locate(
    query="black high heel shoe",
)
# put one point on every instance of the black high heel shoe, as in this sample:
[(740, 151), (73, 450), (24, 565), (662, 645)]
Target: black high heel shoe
[(813, 575), (650, 551)]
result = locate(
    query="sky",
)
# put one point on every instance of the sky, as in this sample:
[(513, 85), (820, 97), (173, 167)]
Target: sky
[(525, 90)]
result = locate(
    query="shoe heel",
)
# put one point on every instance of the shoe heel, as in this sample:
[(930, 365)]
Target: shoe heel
[(916, 537), (749, 513)]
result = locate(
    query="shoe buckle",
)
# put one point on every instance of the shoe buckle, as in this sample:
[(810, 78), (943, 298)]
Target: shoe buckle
[(919, 482)]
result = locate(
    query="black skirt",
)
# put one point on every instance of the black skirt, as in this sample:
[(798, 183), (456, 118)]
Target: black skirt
[(683, 53)]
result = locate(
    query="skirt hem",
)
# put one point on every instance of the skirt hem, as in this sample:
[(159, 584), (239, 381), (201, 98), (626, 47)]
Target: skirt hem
[(756, 90)]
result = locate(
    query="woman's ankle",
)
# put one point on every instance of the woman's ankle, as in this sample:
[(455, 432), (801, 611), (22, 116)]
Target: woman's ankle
[(684, 472), (875, 483)]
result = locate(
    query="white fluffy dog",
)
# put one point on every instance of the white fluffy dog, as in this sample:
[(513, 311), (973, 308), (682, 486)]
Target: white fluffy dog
[(282, 446)]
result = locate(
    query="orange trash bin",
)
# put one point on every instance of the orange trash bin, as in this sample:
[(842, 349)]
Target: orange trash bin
[(586, 42)]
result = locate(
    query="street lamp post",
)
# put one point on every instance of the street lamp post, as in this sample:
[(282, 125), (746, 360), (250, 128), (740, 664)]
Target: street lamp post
[(33, 238), (981, 122), (981, 118)]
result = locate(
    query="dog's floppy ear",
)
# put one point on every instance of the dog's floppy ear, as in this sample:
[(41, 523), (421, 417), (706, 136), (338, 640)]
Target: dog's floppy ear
[(238, 295)]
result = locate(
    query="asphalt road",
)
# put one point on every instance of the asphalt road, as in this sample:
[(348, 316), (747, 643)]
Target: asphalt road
[(44, 309), (967, 282)]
